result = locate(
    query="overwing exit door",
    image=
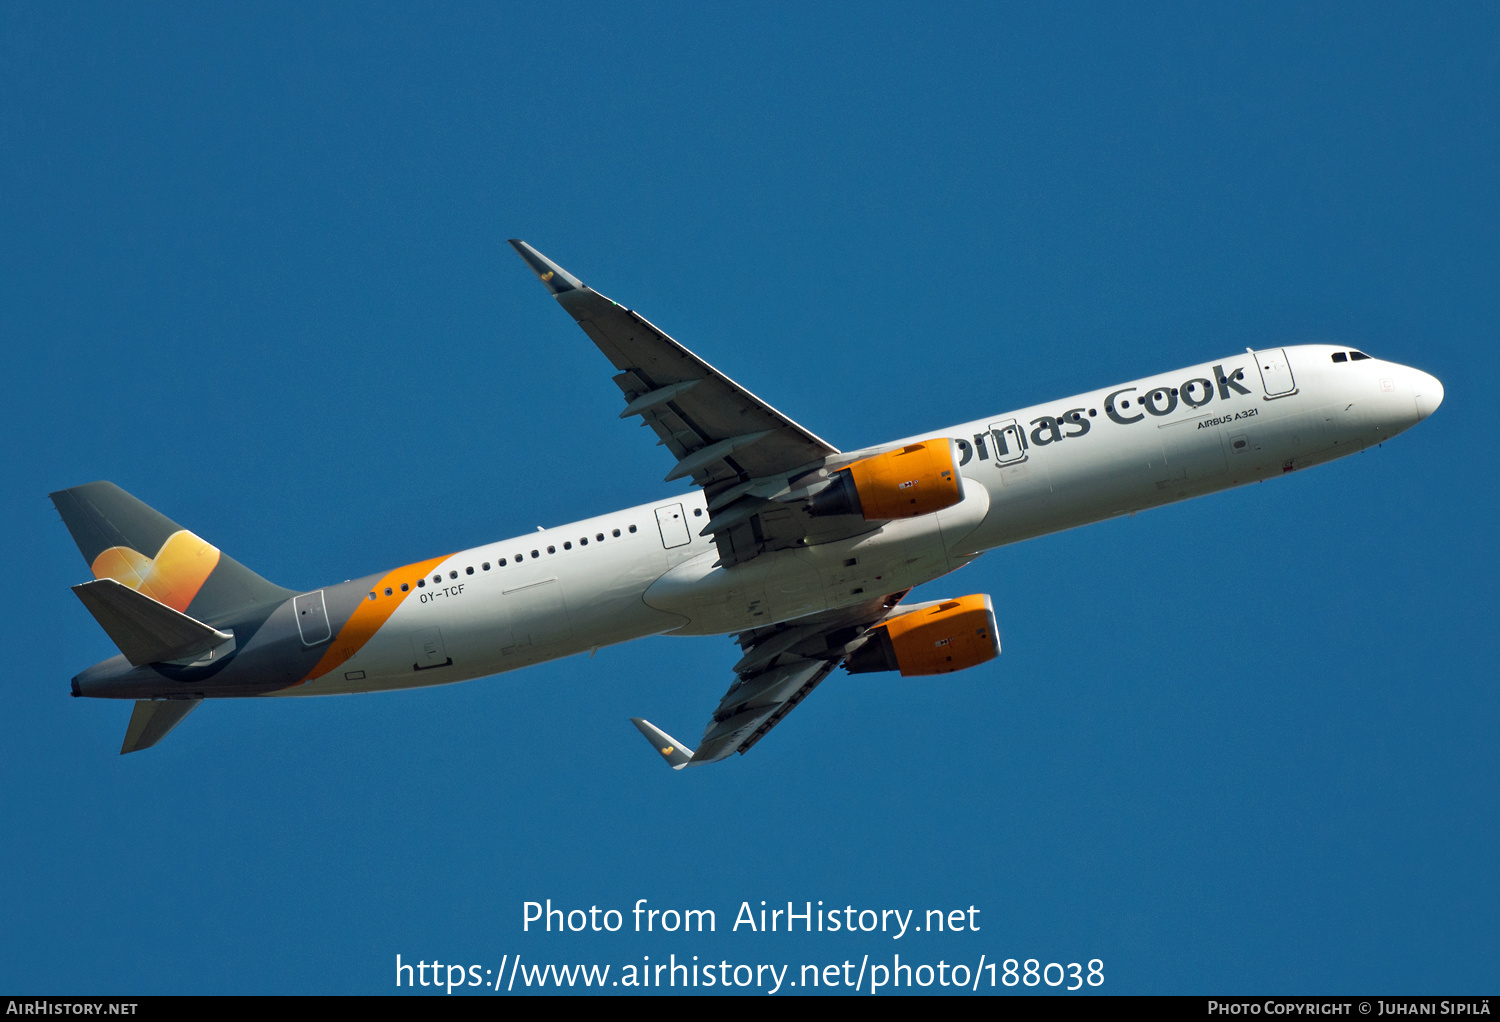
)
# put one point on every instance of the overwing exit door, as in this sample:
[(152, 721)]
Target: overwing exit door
[(673, 526), (1008, 441)]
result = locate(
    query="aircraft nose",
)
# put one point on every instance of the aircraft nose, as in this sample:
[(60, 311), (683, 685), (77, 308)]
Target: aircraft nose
[(1428, 392)]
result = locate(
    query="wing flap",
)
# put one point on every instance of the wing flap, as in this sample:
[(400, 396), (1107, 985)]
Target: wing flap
[(781, 667), (779, 713), (769, 687), (755, 704)]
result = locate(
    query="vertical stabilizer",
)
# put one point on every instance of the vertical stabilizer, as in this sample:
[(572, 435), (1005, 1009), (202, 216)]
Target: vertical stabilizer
[(123, 539)]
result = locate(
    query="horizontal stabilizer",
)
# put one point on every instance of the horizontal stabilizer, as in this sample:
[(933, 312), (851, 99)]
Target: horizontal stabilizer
[(146, 631), (152, 719), (673, 751)]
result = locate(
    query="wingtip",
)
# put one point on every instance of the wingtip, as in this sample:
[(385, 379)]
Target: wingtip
[(557, 279), (670, 749)]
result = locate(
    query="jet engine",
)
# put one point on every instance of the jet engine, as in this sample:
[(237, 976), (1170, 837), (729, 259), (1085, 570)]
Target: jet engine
[(939, 639), (917, 479)]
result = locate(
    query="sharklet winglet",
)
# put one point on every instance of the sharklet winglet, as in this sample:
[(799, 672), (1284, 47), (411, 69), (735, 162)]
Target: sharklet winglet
[(674, 752), (557, 279)]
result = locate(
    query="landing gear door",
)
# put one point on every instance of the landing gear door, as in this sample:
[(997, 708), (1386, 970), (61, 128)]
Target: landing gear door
[(1007, 442), (1275, 372)]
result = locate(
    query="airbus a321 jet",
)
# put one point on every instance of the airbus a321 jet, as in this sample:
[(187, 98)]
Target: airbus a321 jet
[(804, 553)]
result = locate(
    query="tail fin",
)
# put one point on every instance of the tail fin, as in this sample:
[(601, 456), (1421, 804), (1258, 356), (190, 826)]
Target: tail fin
[(123, 539)]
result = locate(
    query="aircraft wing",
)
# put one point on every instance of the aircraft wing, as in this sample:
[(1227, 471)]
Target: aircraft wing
[(781, 666), (730, 442)]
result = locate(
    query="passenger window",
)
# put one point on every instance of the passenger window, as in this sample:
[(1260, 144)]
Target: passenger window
[(404, 587), (1355, 356), (584, 541), (1339, 356), (372, 594), (535, 554), (502, 562), (387, 590), (616, 534), (600, 537), (486, 565), (632, 528), (437, 580), (470, 570), (552, 549), (568, 545), (421, 582), (454, 574)]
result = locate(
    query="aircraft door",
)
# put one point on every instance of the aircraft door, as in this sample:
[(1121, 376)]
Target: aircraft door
[(429, 648), (673, 525), (312, 618), (1275, 372), (1008, 441)]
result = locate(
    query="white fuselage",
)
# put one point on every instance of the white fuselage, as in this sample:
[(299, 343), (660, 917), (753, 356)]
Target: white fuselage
[(1026, 473)]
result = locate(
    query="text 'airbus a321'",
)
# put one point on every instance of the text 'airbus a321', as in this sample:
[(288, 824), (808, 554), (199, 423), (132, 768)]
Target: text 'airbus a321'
[(803, 552)]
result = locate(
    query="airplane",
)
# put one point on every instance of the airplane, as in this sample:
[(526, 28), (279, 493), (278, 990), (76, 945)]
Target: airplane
[(804, 553)]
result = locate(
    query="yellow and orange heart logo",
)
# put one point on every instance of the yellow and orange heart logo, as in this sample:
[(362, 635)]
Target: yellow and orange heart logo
[(173, 576)]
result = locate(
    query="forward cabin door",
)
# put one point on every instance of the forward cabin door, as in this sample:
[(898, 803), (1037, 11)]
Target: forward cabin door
[(1275, 372)]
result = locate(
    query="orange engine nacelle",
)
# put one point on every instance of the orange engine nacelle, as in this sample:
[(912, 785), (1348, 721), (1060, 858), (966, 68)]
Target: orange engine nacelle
[(947, 637), (917, 479)]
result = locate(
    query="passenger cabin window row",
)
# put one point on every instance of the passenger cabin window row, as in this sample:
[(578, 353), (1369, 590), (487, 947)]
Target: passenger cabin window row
[(485, 566), (1349, 356)]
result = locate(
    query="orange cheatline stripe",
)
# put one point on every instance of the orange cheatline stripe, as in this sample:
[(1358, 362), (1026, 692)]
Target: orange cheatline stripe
[(371, 614)]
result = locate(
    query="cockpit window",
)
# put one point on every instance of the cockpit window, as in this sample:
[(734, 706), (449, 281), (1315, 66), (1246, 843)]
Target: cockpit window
[(1341, 356), (1355, 356)]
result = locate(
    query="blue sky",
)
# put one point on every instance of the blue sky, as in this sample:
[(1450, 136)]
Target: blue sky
[(252, 268)]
